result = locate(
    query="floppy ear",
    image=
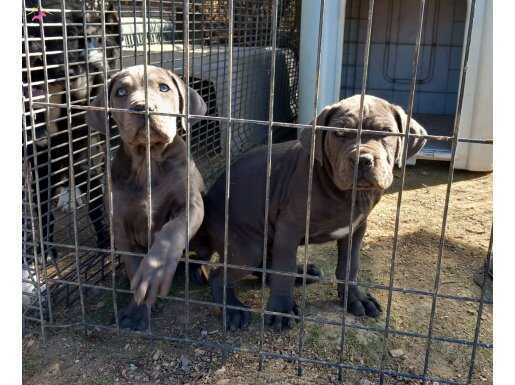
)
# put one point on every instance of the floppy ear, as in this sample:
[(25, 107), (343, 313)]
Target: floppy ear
[(414, 144), (196, 103), (96, 118), (305, 135)]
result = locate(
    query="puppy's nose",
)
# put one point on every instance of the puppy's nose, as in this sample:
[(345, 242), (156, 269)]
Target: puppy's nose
[(365, 161), (140, 107)]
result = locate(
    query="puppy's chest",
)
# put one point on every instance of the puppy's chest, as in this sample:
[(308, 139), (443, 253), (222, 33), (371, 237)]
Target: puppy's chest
[(331, 219), (132, 208), (335, 226)]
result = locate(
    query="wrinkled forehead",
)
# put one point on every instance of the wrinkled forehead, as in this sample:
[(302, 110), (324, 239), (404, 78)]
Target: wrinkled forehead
[(377, 114), (135, 76)]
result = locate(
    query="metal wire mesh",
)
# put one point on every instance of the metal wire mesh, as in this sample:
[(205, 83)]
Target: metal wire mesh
[(242, 58)]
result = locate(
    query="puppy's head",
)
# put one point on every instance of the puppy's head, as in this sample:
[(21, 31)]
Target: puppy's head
[(336, 151), (84, 43), (166, 94)]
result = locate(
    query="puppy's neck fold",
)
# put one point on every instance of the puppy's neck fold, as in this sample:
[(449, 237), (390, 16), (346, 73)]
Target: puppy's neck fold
[(365, 199)]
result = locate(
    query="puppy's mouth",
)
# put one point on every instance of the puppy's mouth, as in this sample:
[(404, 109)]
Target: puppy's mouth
[(373, 181), (157, 137), (366, 185)]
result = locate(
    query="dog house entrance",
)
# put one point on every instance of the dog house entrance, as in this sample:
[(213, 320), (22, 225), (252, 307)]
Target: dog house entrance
[(393, 41)]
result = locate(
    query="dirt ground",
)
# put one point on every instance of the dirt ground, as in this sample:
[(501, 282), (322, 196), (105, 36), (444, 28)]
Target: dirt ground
[(98, 356)]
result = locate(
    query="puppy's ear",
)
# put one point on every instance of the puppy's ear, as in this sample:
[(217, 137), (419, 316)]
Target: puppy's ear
[(196, 103), (96, 118), (415, 144), (323, 119)]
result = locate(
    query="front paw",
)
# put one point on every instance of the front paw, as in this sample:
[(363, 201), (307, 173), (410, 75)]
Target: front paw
[(281, 304), (361, 304), (154, 276), (134, 317)]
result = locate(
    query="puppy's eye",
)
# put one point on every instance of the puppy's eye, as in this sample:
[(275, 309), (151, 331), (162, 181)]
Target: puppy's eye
[(121, 92), (164, 88)]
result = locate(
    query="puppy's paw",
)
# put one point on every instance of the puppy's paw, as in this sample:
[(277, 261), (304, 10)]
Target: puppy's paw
[(153, 277), (134, 317), (237, 318), (281, 304), (361, 304)]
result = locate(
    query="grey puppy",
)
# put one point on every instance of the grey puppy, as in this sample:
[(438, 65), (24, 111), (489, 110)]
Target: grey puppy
[(330, 204), (166, 94)]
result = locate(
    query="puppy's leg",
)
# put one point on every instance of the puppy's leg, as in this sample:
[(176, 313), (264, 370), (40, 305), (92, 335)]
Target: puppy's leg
[(236, 318), (133, 316), (243, 250), (284, 258), (358, 303)]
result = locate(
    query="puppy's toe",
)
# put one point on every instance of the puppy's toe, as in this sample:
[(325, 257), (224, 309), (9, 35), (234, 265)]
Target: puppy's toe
[(362, 304), (372, 307), (356, 308)]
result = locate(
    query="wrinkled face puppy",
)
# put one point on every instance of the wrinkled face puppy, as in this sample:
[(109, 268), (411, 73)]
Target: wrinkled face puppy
[(377, 154), (166, 94)]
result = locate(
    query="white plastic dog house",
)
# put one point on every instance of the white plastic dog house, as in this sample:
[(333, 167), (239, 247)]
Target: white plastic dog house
[(395, 24)]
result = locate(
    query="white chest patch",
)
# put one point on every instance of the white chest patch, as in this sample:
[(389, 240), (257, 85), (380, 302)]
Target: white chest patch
[(344, 231)]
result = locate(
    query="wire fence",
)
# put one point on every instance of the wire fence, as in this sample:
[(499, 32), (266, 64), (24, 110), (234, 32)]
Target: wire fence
[(242, 58)]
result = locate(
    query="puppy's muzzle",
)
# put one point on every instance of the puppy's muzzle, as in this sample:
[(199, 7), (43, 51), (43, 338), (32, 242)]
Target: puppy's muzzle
[(156, 135), (140, 107), (366, 164)]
